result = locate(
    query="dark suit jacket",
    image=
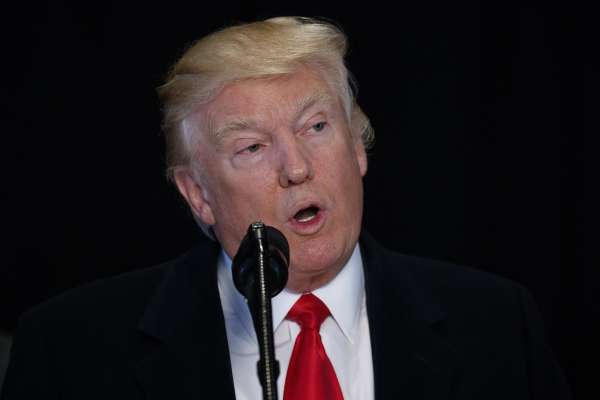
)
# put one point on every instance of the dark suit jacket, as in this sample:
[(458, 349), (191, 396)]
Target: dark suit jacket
[(438, 331)]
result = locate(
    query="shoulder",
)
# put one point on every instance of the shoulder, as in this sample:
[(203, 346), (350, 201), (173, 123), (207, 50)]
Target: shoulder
[(482, 315), (443, 276), (122, 298), (118, 301), (466, 291), (112, 301), (433, 284), (96, 321), (435, 274)]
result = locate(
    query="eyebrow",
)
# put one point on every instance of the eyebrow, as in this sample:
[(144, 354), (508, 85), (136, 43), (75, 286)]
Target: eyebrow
[(307, 102), (239, 124)]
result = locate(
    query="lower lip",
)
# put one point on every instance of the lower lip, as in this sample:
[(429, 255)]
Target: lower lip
[(309, 227)]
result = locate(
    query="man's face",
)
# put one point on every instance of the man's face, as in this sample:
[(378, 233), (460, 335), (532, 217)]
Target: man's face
[(280, 151)]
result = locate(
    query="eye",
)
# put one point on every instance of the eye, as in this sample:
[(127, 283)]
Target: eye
[(319, 126), (253, 148)]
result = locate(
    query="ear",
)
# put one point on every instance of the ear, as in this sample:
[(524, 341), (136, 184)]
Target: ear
[(358, 123), (195, 195), (361, 156)]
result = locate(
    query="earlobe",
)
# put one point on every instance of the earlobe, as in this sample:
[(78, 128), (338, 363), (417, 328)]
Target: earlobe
[(194, 195)]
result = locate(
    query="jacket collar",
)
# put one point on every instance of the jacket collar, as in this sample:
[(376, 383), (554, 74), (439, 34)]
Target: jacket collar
[(185, 352), (185, 349), (411, 358)]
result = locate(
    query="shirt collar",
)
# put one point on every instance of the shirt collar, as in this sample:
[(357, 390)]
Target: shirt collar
[(343, 296)]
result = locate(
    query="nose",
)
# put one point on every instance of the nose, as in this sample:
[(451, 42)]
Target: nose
[(296, 167)]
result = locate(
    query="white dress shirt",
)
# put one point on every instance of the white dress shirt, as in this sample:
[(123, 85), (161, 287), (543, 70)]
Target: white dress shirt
[(345, 334)]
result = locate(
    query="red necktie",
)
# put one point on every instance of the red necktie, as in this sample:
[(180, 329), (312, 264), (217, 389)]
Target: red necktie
[(310, 374)]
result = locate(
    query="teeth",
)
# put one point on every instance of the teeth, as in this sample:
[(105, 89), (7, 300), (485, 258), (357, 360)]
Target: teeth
[(306, 215)]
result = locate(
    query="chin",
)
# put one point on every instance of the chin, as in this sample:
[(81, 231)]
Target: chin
[(315, 264), (301, 281)]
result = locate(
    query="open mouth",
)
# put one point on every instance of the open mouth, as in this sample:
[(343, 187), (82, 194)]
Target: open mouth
[(306, 214)]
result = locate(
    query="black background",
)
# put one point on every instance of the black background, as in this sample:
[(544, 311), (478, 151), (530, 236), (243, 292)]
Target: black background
[(479, 156)]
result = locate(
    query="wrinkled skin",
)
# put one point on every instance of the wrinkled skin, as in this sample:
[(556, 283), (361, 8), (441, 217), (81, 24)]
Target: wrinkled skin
[(268, 148)]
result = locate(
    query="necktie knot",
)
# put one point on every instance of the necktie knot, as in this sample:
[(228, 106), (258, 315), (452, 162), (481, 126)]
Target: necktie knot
[(310, 373), (309, 312)]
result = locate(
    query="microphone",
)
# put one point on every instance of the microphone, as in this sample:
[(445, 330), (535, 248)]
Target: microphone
[(260, 272), (266, 242)]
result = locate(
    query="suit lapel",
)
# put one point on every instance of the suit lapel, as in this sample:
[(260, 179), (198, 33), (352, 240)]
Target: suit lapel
[(410, 357), (184, 352)]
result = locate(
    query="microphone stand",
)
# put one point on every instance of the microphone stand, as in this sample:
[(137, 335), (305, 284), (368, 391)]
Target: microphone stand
[(268, 366)]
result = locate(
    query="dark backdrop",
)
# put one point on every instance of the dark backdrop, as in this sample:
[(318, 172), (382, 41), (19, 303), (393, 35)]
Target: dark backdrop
[(477, 109)]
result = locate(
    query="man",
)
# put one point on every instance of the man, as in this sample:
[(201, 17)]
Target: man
[(261, 124)]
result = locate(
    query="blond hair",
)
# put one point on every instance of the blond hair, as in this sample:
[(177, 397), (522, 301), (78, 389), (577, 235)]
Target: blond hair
[(262, 49)]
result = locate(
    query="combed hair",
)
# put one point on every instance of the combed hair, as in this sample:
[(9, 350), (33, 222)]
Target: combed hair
[(262, 49)]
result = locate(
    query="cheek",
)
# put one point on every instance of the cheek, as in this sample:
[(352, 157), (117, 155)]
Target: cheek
[(343, 159), (231, 181), (241, 198)]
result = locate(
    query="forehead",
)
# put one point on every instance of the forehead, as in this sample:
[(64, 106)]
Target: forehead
[(268, 98)]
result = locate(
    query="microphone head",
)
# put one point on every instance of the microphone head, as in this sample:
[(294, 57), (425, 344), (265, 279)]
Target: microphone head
[(269, 241)]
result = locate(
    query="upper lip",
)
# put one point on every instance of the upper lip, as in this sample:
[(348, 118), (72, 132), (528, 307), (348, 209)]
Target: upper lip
[(302, 205)]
